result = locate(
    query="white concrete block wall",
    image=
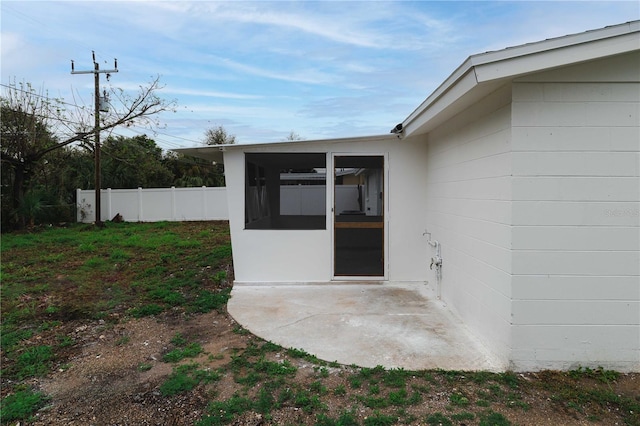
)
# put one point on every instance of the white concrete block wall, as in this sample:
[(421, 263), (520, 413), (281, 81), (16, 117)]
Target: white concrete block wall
[(409, 253), (469, 212), (576, 224)]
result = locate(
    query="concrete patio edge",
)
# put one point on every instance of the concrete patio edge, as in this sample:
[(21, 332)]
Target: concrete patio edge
[(396, 325)]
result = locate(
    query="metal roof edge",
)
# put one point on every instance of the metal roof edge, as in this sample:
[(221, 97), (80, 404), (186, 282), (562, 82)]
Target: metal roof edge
[(556, 43), (467, 70), (214, 152), (381, 137)]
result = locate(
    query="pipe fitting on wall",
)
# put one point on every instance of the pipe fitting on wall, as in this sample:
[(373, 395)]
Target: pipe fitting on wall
[(436, 262)]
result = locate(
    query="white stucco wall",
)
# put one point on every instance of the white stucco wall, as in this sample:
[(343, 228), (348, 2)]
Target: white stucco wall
[(264, 255), (576, 217), (469, 212), (267, 256)]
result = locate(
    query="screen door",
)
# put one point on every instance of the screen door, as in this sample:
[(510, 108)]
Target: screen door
[(359, 215)]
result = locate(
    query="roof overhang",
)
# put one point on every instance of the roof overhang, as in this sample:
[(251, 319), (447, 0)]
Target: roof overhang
[(212, 153), (215, 153), (482, 74)]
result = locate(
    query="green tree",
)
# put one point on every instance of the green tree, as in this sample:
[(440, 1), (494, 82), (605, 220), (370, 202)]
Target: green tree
[(191, 171), (218, 136), (133, 162), (76, 170), (26, 139)]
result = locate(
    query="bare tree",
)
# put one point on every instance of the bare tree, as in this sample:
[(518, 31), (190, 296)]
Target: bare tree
[(293, 136), (33, 124)]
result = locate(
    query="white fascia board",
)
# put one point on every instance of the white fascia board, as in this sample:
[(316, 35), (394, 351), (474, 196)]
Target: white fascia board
[(212, 153), (465, 85), (527, 63), (543, 46), (441, 99), (270, 146), (215, 152)]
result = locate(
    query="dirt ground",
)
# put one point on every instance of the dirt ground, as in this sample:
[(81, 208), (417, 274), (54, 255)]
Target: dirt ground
[(98, 381)]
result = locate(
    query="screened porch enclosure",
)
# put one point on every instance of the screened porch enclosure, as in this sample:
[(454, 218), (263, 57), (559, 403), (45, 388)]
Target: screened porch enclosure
[(285, 191)]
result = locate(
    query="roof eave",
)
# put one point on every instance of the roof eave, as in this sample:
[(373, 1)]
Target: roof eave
[(480, 74), (215, 153)]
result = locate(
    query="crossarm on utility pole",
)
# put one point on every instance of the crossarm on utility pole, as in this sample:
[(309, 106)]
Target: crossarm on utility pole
[(96, 72)]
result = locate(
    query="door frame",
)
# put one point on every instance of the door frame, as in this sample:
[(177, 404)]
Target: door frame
[(385, 209)]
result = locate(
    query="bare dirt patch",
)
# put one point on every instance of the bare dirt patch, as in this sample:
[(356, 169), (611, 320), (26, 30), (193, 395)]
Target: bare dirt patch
[(114, 372), (113, 375)]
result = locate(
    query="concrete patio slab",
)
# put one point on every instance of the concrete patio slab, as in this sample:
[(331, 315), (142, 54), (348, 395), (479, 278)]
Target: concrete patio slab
[(393, 325)]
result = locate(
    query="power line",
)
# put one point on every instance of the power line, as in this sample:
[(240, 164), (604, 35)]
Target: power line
[(96, 150), (58, 100), (45, 25), (172, 143)]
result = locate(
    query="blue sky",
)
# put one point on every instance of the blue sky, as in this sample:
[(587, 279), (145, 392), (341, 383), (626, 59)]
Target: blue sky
[(264, 69)]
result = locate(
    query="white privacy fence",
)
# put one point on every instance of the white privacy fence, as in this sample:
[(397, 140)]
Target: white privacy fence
[(201, 203), (154, 204), (310, 199)]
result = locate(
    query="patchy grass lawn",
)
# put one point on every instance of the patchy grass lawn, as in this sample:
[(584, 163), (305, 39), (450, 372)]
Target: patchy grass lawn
[(128, 325)]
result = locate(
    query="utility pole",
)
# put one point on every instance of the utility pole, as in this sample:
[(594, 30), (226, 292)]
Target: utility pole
[(96, 149)]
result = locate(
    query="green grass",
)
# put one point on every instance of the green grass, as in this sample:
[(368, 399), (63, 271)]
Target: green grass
[(186, 377), (438, 419), (192, 350), (145, 366), (491, 418), (126, 252), (183, 349), (20, 405), (207, 301), (396, 377), (80, 272), (223, 412), (34, 361), (146, 310), (605, 376), (378, 419), (462, 417), (272, 368), (11, 338), (458, 400), (127, 271), (346, 418)]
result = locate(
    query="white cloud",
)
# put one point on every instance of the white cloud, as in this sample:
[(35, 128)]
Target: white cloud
[(337, 27), (309, 76), (266, 68)]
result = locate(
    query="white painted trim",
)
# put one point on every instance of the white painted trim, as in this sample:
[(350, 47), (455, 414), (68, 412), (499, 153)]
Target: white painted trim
[(365, 281), (483, 73), (215, 153)]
